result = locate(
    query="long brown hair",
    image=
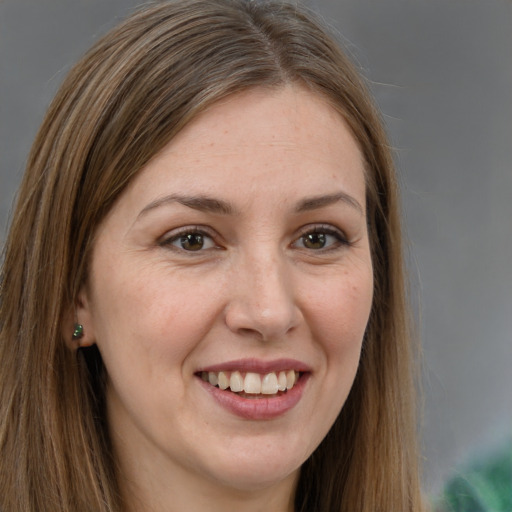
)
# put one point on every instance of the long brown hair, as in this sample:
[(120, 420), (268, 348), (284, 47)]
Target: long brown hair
[(133, 91)]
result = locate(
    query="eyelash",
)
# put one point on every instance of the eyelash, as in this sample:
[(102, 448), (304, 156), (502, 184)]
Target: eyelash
[(324, 229), (168, 240), (341, 239)]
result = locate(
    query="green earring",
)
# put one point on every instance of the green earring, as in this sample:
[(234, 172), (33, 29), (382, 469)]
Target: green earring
[(78, 332)]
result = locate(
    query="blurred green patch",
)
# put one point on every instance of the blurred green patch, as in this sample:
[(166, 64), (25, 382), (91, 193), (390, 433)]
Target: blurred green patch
[(485, 486)]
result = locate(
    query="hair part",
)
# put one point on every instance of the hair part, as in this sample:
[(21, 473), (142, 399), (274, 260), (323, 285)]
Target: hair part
[(120, 105)]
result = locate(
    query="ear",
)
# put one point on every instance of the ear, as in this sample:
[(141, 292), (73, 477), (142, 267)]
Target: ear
[(79, 314)]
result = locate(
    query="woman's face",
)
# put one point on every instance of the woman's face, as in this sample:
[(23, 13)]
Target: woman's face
[(229, 291)]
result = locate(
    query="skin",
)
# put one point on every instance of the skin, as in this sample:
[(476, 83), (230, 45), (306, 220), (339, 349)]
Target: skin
[(257, 288)]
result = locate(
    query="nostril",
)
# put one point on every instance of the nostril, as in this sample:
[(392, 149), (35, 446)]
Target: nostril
[(249, 332), (248, 318)]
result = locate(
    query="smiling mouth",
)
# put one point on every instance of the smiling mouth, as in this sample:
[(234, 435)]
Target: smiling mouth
[(253, 385)]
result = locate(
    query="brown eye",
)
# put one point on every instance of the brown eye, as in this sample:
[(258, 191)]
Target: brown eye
[(321, 238), (314, 240), (190, 241)]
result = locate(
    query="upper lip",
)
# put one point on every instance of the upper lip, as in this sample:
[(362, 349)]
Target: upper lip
[(257, 366)]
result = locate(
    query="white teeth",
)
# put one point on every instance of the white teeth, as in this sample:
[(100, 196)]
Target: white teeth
[(223, 381), (281, 381), (290, 379), (269, 384), (236, 382), (252, 383)]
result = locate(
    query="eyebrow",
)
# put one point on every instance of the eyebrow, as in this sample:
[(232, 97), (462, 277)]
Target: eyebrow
[(212, 205), (316, 202), (201, 203)]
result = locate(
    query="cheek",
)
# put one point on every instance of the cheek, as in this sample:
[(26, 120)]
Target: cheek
[(342, 308), (153, 310), (342, 313)]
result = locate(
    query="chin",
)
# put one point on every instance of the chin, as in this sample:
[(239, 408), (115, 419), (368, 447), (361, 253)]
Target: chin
[(257, 468), (254, 479)]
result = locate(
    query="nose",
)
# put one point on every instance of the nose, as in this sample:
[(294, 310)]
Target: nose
[(263, 299)]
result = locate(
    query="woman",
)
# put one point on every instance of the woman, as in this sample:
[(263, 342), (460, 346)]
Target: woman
[(202, 294)]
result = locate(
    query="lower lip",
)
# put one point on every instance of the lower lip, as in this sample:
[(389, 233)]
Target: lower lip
[(258, 408)]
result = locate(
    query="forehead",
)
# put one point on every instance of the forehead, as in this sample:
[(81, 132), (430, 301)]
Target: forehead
[(270, 115), (265, 127), (270, 144)]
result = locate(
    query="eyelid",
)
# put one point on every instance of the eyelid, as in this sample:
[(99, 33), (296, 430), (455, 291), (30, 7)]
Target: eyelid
[(328, 229), (322, 228), (170, 236)]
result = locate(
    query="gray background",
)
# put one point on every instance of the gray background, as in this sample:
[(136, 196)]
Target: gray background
[(441, 71)]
